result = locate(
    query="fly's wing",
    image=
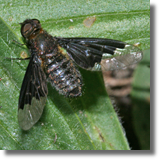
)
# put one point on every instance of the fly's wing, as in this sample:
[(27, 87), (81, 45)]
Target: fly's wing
[(33, 96), (98, 53)]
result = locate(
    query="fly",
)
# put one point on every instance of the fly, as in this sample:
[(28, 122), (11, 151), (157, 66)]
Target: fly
[(55, 60)]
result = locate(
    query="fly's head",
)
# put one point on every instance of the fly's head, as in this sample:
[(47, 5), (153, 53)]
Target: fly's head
[(30, 28)]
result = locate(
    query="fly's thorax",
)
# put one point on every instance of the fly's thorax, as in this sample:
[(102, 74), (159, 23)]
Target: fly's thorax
[(42, 44)]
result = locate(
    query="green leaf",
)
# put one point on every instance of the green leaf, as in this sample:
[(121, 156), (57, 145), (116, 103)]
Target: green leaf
[(85, 123)]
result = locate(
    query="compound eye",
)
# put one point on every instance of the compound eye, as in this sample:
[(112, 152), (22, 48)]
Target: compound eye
[(27, 27), (36, 21), (30, 28)]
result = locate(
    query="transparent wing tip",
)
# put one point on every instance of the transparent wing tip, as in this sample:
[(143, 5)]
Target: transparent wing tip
[(122, 58), (30, 114)]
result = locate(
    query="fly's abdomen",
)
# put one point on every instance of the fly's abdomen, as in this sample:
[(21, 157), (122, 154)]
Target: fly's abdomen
[(63, 75)]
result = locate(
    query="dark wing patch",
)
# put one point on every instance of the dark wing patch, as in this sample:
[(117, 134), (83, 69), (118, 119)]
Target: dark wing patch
[(84, 56), (33, 96), (89, 53)]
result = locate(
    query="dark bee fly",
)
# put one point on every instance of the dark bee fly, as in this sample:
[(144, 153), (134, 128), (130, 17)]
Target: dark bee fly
[(53, 59)]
